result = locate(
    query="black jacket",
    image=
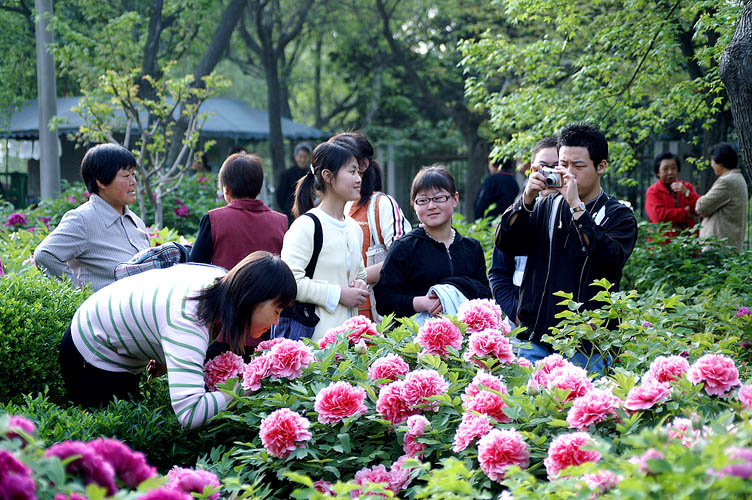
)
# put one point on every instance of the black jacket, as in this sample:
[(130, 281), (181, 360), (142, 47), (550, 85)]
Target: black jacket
[(595, 246), (501, 188), (416, 262)]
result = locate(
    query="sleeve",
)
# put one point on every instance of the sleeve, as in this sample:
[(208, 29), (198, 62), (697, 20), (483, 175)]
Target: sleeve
[(474, 285), (502, 283), (297, 249), (203, 247), (65, 243), (513, 235), (659, 210), (714, 199), (394, 225), (282, 191), (389, 291), (691, 200), (612, 244)]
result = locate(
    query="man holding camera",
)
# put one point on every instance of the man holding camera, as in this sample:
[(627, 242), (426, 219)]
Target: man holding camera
[(571, 238)]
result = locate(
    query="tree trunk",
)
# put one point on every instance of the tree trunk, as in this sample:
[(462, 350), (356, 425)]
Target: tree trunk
[(49, 161), (477, 158), (274, 98), (736, 74), (317, 80)]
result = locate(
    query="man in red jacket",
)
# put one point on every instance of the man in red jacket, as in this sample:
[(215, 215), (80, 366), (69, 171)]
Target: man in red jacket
[(670, 199)]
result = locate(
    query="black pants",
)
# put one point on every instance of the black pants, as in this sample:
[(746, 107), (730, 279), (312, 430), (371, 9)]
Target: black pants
[(90, 386)]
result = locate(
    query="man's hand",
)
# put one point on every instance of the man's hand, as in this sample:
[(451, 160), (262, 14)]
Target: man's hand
[(155, 370), (535, 184)]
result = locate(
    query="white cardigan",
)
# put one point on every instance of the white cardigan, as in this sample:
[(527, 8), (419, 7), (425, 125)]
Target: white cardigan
[(340, 262)]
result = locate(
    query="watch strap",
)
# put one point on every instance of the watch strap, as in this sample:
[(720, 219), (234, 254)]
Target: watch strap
[(579, 208)]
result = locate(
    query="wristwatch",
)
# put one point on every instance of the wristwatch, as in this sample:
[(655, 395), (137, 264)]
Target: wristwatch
[(580, 207)]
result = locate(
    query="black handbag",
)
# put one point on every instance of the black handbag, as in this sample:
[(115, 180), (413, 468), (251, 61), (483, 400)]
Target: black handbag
[(300, 320)]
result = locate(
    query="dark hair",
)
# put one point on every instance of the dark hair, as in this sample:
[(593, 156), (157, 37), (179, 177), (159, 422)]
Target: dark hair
[(551, 141), (242, 175), (327, 156), (585, 135), (665, 156), (363, 150), (229, 303), (302, 145), (238, 149), (433, 177), (102, 163), (724, 154)]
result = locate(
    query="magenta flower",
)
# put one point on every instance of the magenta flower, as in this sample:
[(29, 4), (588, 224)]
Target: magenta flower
[(131, 467), (222, 368), (16, 482), (87, 194), (419, 385), (77, 496), (471, 427), (202, 180), (163, 494), (72, 199), (389, 367), (667, 368), (181, 210), (258, 369), (288, 358), (745, 396), (416, 427), (437, 335), (16, 219), (647, 395), (19, 424), (743, 311), (324, 487), (485, 379), (480, 314), (92, 467), (374, 475), (717, 371), (339, 400), (284, 431), (489, 342), (568, 450), (500, 449), (647, 324), (359, 326), (392, 405), (488, 403), (192, 481), (742, 463), (593, 407), (543, 369)]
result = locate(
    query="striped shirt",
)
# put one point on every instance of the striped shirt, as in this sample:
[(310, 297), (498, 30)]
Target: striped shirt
[(147, 316)]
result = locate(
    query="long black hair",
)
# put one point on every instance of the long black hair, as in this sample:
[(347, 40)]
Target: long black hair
[(373, 176), (229, 303), (327, 156)]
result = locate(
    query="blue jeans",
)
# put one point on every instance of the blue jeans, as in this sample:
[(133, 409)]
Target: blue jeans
[(539, 351)]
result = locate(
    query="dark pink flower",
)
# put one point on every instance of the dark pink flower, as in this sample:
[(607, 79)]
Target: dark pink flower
[(16, 219), (489, 342), (202, 180), (485, 379), (258, 369), (743, 311), (164, 494), (324, 487), (389, 367), (359, 326), (392, 404), (221, 368), (284, 431), (19, 424), (717, 371), (77, 496), (192, 481), (375, 475), (745, 396), (437, 335), (268, 344), (182, 210), (489, 404), (92, 467), (645, 396), (600, 481), (667, 368), (339, 400), (16, 482), (86, 195), (131, 467), (500, 449), (71, 199), (471, 427), (572, 378), (568, 450), (419, 385), (593, 407), (288, 358), (416, 427), (480, 314)]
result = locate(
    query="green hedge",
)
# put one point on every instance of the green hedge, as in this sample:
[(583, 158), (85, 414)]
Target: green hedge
[(34, 313)]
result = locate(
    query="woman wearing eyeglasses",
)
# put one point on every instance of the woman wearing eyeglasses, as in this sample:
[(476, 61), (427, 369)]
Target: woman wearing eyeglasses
[(432, 254)]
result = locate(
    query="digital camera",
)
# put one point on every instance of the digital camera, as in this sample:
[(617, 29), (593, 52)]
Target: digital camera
[(551, 177)]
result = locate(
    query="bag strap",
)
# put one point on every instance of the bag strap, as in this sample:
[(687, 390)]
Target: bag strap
[(318, 240)]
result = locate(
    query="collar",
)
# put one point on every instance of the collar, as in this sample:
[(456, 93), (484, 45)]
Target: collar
[(108, 214), (250, 204)]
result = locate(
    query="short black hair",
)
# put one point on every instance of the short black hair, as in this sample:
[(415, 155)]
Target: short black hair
[(725, 154), (551, 141), (103, 162), (228, 304), (665, 156), (302, 145), (433, 177), (585, 135), (242, 175)]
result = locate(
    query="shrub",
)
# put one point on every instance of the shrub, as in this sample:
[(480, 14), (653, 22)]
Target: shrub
[(34, 313)]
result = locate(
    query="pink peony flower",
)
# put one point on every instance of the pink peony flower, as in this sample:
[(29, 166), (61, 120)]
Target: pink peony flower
[(92, 467), (131, 466), (283, 431), (182, 209), (642, 460), (568, 450), (742, 466), (330, 337), (523, 362), (416, 427), (399, 478), (16, 219), (392, 404), (374, 475), (222, 368), (288, 358), (485, 379), (500, 449), (71, 199), (480, 314), (258, 369), (268, 344), (489, 342), (601, 481), (666, 369), (647, 395), (745, 396), (192, 481), (419, 385), (359, 326), (16, 482), (19, 424), (593, 407), (339, 400), (471, 427), (389, 367), (572, 378), (683, 429), (437, 335), (324, 487), (543, 369), (77, 496), (717, 371), (743, 311), (163, 494)]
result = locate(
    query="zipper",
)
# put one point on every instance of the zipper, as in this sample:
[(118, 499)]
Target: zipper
[(451, 263)]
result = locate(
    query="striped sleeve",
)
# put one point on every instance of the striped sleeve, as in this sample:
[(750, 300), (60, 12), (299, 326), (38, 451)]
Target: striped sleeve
[(394, 225)]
